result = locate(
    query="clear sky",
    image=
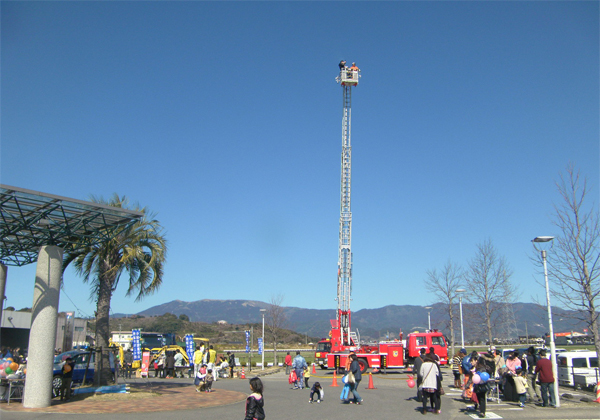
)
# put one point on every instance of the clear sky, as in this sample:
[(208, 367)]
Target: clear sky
[(224, 118)]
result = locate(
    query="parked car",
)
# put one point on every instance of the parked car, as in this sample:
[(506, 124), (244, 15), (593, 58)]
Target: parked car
[(80, 357), (60, 358), (577, 362)]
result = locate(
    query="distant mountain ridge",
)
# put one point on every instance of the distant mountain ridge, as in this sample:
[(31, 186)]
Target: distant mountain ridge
[(371, 323)]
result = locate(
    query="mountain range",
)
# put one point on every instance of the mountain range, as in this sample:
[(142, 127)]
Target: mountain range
[(529, 318)]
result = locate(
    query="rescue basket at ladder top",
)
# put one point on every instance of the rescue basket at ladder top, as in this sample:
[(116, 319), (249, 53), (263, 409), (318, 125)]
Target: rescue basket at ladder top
[(348, 77)]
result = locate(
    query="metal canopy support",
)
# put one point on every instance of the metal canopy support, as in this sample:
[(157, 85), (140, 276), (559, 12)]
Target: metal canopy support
[(31, 219)]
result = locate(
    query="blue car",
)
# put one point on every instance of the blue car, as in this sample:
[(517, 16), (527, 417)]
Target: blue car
[(80, 357)]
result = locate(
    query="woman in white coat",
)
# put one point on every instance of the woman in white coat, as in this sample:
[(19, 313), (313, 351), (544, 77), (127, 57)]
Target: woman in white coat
[(429, 372)]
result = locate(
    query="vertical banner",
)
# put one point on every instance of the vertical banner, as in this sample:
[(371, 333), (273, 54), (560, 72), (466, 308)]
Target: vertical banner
[(145, 364), (189, 347), (260, 346), (135, 343), (247, 341)]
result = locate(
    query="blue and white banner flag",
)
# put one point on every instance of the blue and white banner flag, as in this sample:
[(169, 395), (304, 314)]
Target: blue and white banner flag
[(135, 342), (247, 341), (189, 347), (260, 346)]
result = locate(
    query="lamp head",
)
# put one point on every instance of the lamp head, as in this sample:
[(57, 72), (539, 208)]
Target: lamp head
[(539, 239), (541, 243)]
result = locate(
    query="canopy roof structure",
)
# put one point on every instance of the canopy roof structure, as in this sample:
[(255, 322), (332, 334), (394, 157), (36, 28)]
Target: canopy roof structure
[(31, 219)]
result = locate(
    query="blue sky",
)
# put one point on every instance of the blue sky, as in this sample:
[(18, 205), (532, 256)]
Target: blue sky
[(224, 118)]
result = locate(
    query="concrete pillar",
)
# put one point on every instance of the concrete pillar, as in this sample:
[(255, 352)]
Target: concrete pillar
[(3, 272), (42, 336)]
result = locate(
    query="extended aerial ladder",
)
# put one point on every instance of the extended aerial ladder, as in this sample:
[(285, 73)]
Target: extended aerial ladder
[(348, 78)]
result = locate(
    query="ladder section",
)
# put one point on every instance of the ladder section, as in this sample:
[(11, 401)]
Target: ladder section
[(345, 235)]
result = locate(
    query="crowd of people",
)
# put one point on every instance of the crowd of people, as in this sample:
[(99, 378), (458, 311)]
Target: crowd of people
[(514, 379)]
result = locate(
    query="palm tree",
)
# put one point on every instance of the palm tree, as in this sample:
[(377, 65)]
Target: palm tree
[(139, 250)]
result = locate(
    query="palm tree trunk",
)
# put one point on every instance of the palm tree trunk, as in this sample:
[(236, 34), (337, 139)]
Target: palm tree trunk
[(102, 372)]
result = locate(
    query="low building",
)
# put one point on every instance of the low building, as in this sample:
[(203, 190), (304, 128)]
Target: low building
[(70, 331), (123, 338)]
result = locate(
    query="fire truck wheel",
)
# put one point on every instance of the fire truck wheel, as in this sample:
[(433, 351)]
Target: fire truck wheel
[(364, 365)]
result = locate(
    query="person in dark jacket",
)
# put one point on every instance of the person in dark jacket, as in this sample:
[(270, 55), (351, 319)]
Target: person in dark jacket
[(170, 364), (316, 389), (417, 368), (128, 363), (255, 403), (231, 363), (355, 369), (531, 375), (67, 379)]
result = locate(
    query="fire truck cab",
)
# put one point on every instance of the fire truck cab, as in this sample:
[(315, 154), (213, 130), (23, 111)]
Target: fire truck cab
[(416, 341), (323, 349)]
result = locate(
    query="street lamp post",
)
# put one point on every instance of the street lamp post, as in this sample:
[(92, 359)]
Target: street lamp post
[(429, 308), (544, 239), (462, 331), (262, 311)]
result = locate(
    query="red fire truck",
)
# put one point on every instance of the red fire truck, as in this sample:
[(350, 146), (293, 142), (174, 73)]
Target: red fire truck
[(386, 354)]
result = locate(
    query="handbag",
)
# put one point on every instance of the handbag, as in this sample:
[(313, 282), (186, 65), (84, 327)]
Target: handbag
[(442, 392), (351, 378)]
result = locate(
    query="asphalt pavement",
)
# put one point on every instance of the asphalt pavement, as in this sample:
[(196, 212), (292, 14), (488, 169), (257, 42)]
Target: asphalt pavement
[(391, 399)]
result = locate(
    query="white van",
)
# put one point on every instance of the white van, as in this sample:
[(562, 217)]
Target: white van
[(576, 362)]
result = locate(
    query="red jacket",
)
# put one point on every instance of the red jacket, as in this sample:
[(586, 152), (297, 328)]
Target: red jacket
[(288, 360), (543, 367)]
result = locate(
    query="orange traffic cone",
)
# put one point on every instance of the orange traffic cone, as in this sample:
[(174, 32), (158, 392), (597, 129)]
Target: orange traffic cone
[(314, 371), (243, 374), (371, 382), (598, 393), (334, 383)]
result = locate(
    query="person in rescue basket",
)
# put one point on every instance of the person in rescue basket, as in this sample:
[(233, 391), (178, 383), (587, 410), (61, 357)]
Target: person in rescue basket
[(255, 403)]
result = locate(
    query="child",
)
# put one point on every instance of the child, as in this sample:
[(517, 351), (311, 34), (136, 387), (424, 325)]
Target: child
[(255, 402), (521, 385), (200, 380), (209, 380), (316, 388), (306, 374)]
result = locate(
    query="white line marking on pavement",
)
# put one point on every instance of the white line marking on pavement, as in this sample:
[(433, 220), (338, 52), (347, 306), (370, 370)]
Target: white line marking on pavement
[(488, 415)]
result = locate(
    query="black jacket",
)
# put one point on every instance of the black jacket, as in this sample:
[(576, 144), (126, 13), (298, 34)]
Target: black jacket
[(68, 374), (355, 369), (417, 366), (255, 407)]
